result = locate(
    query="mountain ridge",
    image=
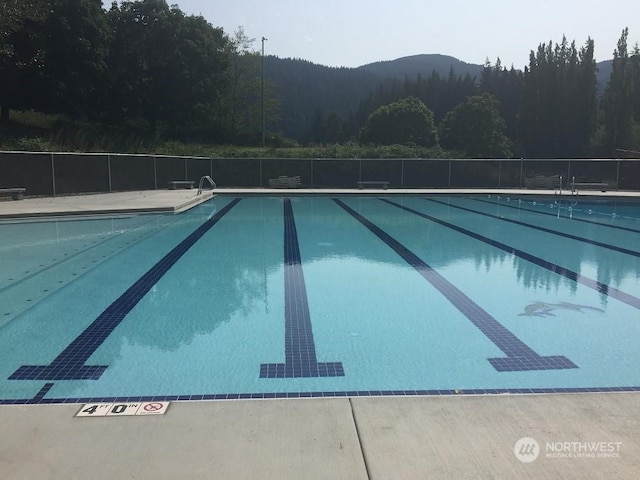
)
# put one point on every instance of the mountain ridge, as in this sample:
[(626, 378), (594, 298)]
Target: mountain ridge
[(423, 64)]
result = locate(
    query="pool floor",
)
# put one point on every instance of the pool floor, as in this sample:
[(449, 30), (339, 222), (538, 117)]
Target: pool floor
[(264, 297)]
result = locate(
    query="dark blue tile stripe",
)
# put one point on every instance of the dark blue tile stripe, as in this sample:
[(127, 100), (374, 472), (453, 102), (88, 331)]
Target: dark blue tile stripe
[(43, 391), (571, 275), (542, 229), (300, 349), (520, 356), (319, 394), (573, 219), (70, 364)]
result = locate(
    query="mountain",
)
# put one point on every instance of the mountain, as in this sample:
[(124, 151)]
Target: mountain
[(303, 89), (603, 74), (423, 65)]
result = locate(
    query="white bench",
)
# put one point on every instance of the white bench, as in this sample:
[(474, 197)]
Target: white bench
[(285, 182), (16, 193), (380, 183), (602, 186)]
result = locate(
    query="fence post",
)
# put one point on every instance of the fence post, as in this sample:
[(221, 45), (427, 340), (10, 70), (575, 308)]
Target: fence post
[(521, 164), (618, 174), (53, 175), (109, 170), (402, 173), (449, 180), (155, 173)]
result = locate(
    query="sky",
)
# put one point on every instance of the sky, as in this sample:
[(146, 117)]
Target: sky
[(351, 33)]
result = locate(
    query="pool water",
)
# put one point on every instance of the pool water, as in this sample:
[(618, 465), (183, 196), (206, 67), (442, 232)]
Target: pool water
[(315, 296)]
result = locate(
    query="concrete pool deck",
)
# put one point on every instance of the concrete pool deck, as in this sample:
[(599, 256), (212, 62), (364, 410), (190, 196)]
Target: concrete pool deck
[(582, 436), (579, 436), (176, 201), (149, 201)]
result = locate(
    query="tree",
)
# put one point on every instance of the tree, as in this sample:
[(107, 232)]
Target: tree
[(16, 15), (335, 129), (242, 101), (77, 42), (167, 70), (618, 100), (52, 56), (476, 127), (318, 133), (507, 87), (558, 112), (21, 51), (326, 128), (407, 121)]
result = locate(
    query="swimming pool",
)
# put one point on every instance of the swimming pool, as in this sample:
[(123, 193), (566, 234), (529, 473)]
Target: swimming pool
[(265, 297)]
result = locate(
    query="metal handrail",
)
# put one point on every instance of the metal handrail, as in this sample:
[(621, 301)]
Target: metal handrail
[(558, 190), (210, 180)]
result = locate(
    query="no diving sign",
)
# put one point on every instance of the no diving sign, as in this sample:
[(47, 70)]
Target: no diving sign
[(153, 408), (122, 409)]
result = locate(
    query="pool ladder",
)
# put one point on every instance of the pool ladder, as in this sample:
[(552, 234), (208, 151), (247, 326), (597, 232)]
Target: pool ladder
[(207, 178), (557, 188)]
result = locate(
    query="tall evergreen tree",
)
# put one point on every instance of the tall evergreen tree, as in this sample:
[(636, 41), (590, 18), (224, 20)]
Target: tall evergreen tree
[(618, 101), (318, 126), (335, 132), (558, 112), (507, 87)]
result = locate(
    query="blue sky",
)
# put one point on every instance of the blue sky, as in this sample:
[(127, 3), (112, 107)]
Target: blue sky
[(355, 32)]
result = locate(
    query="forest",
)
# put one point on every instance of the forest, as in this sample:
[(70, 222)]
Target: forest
[(141, 74)]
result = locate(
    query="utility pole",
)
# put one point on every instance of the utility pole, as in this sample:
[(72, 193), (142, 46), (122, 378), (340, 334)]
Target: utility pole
[(263, 40)]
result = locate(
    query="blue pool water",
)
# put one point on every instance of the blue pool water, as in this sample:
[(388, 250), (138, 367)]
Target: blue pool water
[(311, 296)]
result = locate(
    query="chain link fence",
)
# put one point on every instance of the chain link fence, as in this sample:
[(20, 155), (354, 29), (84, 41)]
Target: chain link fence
[(50, 174)]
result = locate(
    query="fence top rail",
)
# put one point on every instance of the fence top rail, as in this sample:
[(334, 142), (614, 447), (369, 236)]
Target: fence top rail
[(316, 159), (103, 154)]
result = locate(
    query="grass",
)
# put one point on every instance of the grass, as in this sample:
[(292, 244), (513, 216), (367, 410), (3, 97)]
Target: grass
[(36, 131)]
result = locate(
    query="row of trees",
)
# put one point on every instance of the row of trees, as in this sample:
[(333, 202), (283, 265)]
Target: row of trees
[(620, 122), (474, 127), (552, 109), (141, 64), (146, 66)]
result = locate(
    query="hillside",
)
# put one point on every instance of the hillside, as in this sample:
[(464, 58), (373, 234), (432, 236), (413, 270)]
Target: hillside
[(604, 72), (305, 90), (421, 65)]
